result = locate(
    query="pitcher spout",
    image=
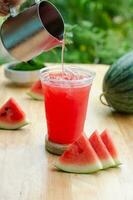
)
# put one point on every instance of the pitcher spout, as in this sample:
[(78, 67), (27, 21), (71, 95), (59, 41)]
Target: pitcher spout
[(52, 43)]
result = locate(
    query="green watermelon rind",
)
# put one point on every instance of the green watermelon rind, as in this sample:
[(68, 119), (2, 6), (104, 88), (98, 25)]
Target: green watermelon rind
[(108, 163), (120, 64), (96, 141), (111, 147), (116, 105), (86, 169), (13, 126), (117, 162), (35, 96), (118, 84)]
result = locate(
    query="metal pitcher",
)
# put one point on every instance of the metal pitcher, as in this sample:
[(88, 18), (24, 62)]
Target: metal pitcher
[(29, 33)]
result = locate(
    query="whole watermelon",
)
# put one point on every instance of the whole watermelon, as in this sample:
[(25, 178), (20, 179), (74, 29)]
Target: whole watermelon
[(118, 84)]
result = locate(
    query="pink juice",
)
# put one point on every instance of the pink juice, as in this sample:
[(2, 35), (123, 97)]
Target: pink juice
[(66, 100)]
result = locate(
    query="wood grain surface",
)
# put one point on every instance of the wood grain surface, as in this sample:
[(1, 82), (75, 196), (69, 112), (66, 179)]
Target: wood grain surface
[(27, 171)]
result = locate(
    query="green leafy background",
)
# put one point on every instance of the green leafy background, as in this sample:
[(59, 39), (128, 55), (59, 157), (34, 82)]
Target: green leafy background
[(97, 31)]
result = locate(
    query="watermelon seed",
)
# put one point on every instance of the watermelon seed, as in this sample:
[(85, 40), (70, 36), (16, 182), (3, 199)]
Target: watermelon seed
[(6, 111), (6, 108), (3, 114), (80, 150)]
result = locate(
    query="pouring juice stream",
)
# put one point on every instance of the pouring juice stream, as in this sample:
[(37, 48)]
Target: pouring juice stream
[(62, 56)]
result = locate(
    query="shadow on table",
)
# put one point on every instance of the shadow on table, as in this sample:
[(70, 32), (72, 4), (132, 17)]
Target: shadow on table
[(14, 86), (118, 115)]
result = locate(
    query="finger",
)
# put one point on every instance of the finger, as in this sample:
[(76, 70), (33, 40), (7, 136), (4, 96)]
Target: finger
[(4, 8)]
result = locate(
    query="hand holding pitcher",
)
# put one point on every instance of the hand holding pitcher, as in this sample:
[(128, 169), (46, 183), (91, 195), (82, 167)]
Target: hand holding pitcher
[(37, 29)]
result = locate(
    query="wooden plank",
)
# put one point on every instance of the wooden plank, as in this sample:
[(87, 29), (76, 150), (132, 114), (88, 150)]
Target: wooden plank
[(27, 171)]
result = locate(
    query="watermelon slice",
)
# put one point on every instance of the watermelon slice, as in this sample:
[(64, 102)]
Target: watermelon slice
[(101, 150), (11, 116), (79, 158), (107, 140), (36, 91)]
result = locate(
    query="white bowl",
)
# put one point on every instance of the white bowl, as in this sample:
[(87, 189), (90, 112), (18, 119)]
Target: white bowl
[(20, 77)]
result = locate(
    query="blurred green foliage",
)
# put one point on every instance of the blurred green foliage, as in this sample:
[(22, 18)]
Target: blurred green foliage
[(103, 30)]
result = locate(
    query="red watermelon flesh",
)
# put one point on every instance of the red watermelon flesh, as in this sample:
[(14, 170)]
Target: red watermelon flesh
[(101, 150), (107, 140), (36, 91), (11, 115), (79, 158)]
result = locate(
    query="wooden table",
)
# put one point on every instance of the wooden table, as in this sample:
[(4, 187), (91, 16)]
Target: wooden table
[(26, 169)]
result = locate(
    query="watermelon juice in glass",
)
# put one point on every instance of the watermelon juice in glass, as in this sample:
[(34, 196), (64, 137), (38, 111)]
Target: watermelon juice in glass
[(66, 98)]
